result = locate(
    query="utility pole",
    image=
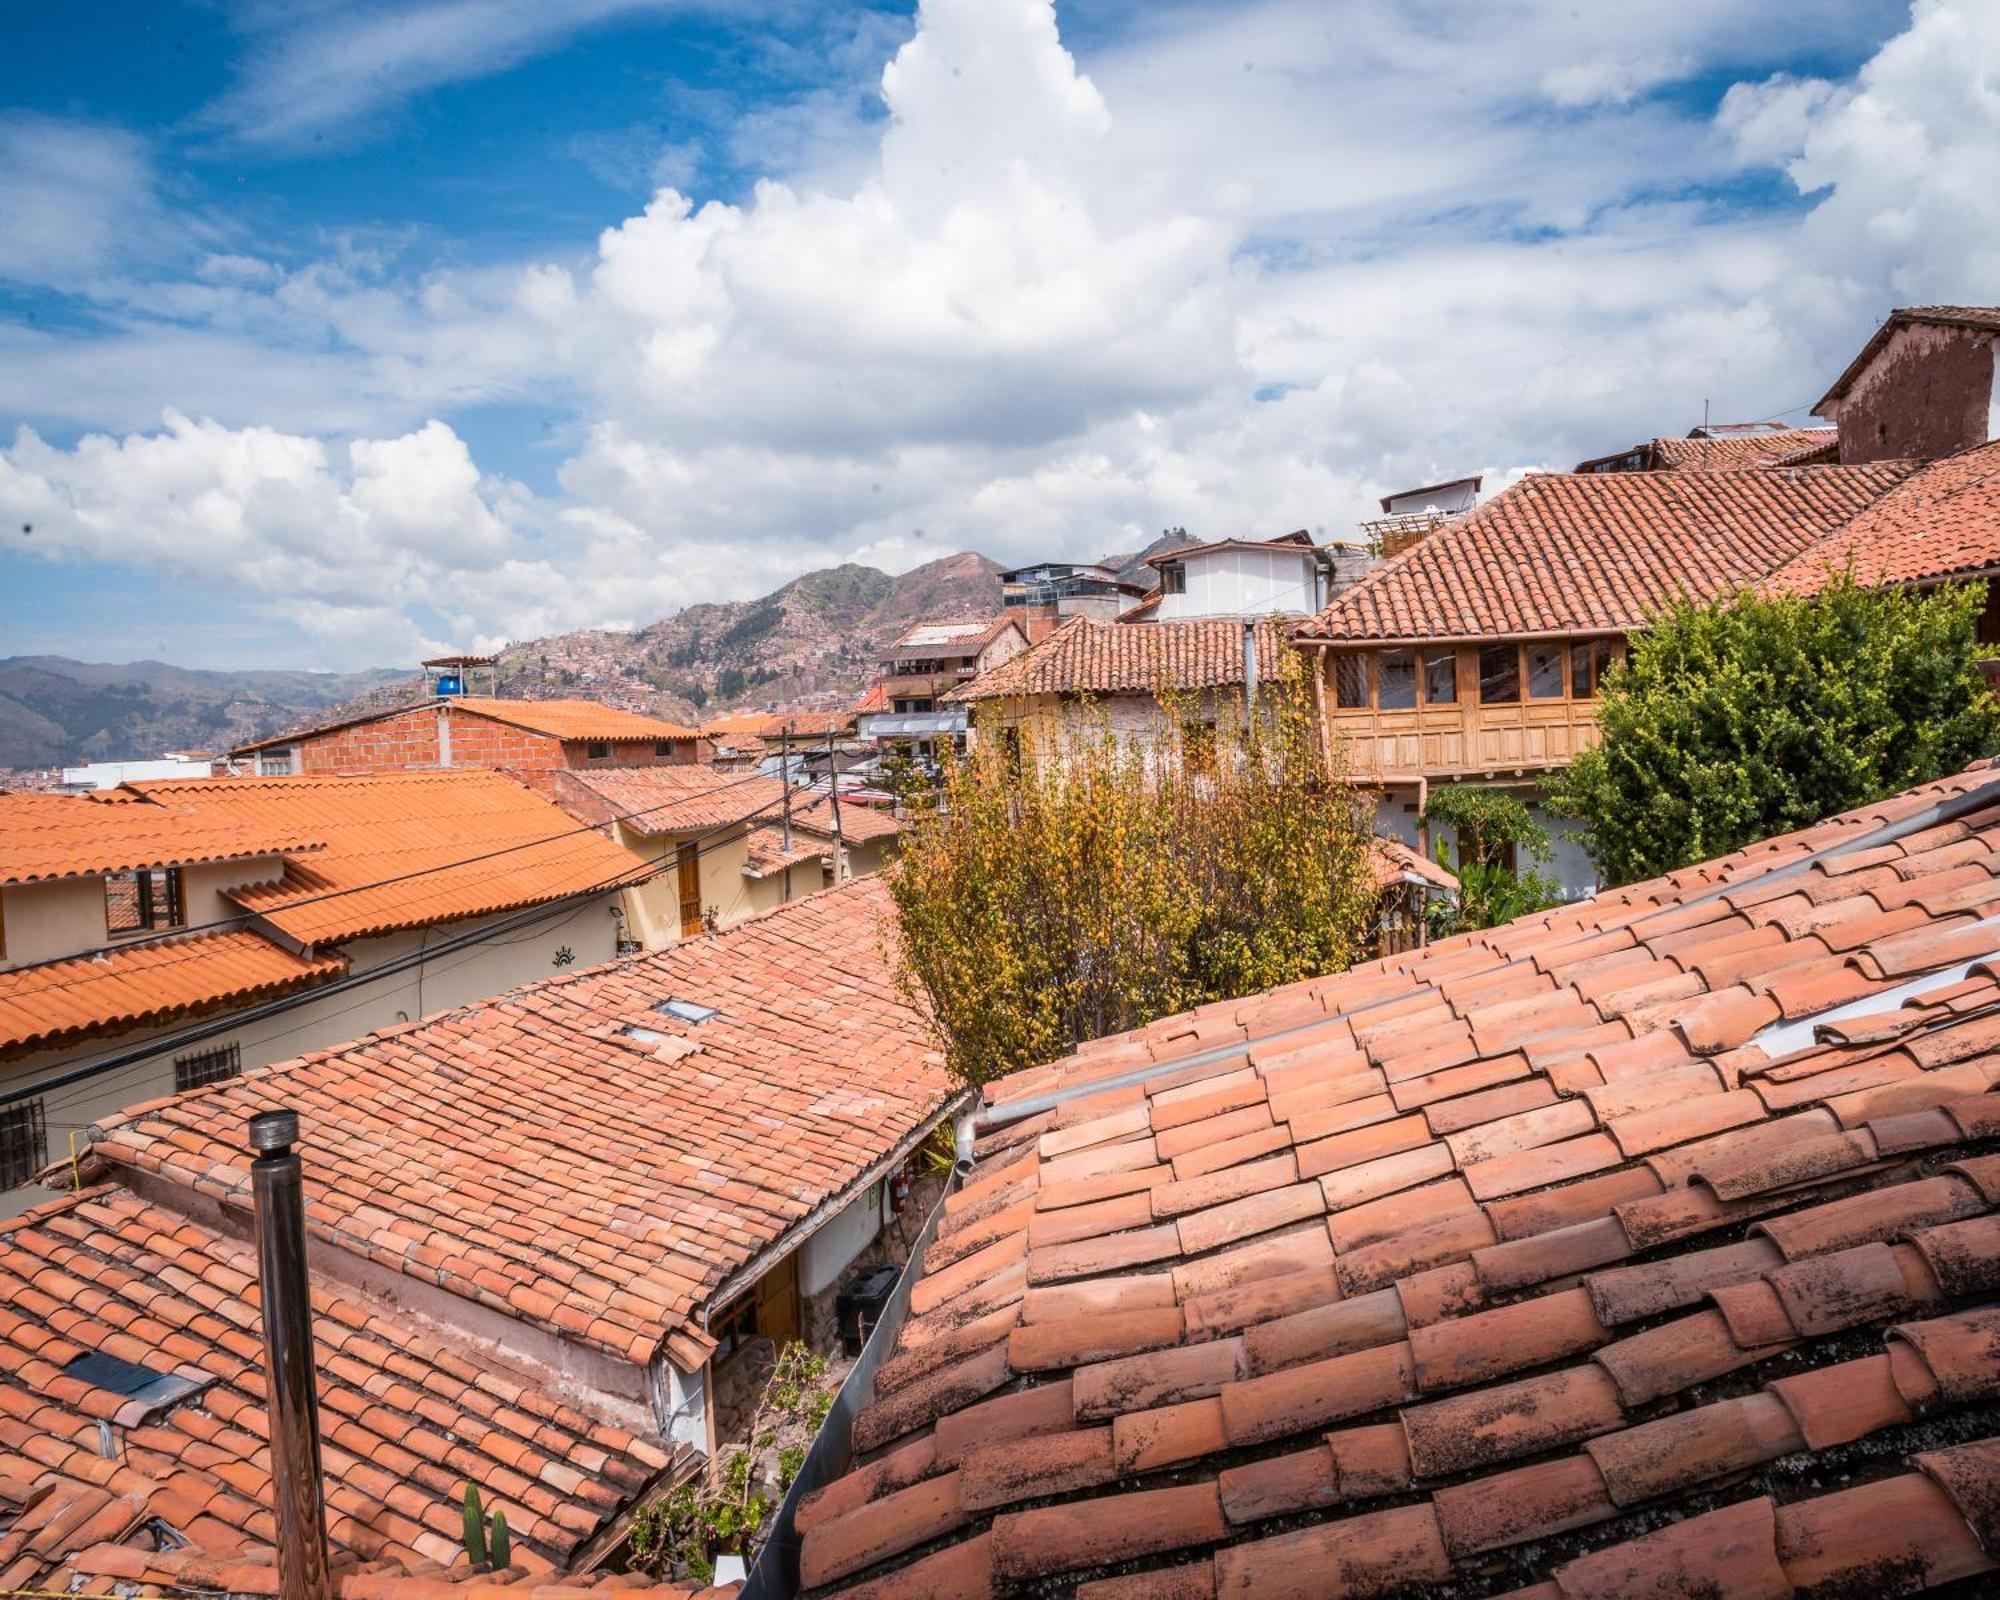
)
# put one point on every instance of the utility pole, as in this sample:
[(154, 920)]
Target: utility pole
[(839, 837), (785, 772)]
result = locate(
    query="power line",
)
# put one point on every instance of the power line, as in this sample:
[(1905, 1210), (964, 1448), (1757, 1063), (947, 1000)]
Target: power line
[(139, 1056)]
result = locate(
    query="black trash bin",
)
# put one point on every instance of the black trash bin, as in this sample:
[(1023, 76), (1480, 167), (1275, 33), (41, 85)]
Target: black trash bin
[(859, 1305)]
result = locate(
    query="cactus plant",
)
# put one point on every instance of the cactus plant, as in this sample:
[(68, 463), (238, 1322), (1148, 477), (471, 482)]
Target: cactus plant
[(500, 1549), (475, 1527)]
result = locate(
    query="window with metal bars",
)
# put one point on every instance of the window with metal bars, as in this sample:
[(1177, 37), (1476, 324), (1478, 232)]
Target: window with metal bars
[(24, 1142), (199, 1067), (144, 899)]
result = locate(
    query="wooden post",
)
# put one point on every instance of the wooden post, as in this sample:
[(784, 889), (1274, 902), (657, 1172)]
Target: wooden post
[(839, 837)]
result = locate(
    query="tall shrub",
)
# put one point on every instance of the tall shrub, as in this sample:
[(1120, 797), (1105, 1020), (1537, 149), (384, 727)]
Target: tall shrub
[(1073, 882), (1753, 716)]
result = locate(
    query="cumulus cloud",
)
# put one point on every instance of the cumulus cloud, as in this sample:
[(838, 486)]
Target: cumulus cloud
[(1220, 275)]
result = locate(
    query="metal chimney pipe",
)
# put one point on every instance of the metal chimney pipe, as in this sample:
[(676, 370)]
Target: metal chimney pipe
[(278, 1182)]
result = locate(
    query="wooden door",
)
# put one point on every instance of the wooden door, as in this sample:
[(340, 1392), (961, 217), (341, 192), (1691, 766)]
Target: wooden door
[(777, 1295), (689, 863)]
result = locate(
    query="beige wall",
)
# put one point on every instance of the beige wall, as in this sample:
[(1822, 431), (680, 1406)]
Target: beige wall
[(588, 932), (47, 921), (653, 908)]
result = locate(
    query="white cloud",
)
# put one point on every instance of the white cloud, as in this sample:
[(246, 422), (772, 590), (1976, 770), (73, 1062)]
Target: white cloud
[(76, 198), (1251, 268)]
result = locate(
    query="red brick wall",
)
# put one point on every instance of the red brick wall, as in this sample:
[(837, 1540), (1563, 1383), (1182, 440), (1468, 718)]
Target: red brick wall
[(1925, 395), (408, 741)]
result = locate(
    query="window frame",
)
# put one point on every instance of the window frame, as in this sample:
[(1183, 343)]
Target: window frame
[(1429, 659), (1405, 657), (1589, 660), (1488, 655), (1173, 577), (153, 917), (1357, 661), (26, 1120), (194, 1070), (278, 763), (597, 749), (1561, 652), (663, 747)]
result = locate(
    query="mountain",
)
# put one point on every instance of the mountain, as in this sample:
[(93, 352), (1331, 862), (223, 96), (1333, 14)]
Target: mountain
[(816, 641), (55, 712)]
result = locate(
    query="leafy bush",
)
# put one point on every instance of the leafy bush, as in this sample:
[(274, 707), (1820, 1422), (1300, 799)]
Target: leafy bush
[(1496, 832), (1750, 717), (1068, 882)]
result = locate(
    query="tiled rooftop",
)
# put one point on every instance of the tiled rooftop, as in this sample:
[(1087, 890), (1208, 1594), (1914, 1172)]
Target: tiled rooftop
[(1645, 1247), (44, 837), (859, 824), (1940, 522), (461, 843), (572, 720), (147, 984), (1558, 553), (87, 1474), (1088, 657), (964, 637), (663, 800), (533, 1154)]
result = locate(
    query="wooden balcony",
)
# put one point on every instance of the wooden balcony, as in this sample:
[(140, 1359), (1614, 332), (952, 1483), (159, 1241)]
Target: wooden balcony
[(1462, 725)]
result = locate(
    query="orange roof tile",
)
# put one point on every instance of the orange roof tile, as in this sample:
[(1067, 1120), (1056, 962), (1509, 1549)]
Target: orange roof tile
[(407, 1415), (770, 724), (859, 824), (44, 837), (663, 800), (1560, 554), (1943, 521), (1085, 656), (1475, 1264), (1728, 452), (403, 849), (571, 720), (643, 1168), (767, 852), (958, 636), (147, 984)]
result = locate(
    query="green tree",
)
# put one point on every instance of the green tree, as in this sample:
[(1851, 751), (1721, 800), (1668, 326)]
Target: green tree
[(1068, 882), (1497, 836), (1754, 716)]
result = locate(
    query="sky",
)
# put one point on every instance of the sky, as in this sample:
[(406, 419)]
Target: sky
[(337, 332)]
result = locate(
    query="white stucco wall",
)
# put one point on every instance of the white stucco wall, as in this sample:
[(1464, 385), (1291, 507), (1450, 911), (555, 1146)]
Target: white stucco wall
[(1243, 583), (824, 1256)]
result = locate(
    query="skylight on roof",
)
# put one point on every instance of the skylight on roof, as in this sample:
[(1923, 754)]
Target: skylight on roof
[(640, 1035), (685, 1010), (111, 1373)]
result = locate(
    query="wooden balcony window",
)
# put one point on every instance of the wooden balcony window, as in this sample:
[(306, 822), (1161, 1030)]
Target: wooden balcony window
[(1441, 677), (1499, 674)]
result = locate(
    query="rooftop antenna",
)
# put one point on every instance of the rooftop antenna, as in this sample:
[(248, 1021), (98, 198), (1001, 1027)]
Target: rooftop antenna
[(1704, 416)]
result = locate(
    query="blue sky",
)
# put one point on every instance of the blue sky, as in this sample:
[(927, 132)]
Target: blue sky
[(332, 332)]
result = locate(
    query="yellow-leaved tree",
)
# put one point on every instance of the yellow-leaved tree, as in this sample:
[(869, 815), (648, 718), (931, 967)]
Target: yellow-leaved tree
[(1069, 881)]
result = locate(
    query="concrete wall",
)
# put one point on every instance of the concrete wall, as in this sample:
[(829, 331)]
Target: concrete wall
[(1928, 392), (1242, 583), (824, 1256), (587, 932), (47, 921)]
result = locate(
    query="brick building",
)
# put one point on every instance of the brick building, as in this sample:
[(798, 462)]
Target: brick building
[(525, 737)]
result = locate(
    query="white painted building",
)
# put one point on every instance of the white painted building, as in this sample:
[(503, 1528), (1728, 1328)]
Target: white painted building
[(1288, 575)]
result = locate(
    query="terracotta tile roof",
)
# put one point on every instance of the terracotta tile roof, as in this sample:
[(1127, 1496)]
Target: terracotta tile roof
[(859, 824), (44, 837), (1557, 554), (1729, 452), (571, 720), (874, 701), (680, 799), (962, 636), (1085, 656), (406, 1417), (138, 1572), (641, 1169), (1391, 862), (767, 854), (770, 724), (148, 984), (1649, 1246), (422, 829), (1940, 522), (567, 720)]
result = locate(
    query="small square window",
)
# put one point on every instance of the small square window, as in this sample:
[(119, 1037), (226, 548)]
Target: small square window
[(1499, 674), (1173, 578), (1440, 677), (203, 1067), (663, 747), (24, 1143), (1545, 671), (1350, 680), (597, 750), (142, 900), (275, 763), (1396, 680)]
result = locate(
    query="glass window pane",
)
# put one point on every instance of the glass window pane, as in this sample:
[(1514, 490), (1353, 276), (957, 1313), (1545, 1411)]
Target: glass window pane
[(1499, 674), (1545, 671), (1396, 680), (1440, 677), (1350, 679), (1581, 685), (1603, 653)]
